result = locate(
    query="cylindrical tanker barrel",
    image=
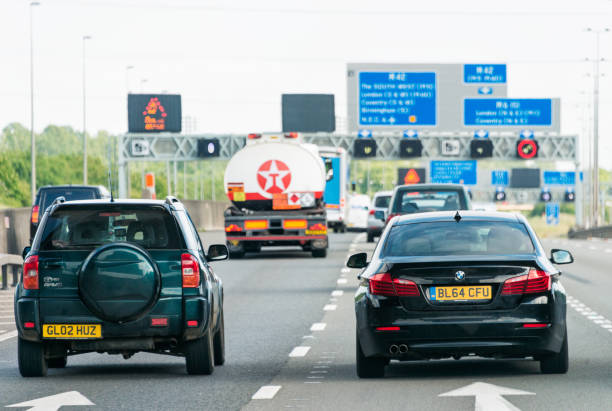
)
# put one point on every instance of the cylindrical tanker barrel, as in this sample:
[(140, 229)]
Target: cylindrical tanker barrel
[(275, 176)]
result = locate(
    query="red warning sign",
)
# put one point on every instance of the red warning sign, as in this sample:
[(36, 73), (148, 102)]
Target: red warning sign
[(410, 176)]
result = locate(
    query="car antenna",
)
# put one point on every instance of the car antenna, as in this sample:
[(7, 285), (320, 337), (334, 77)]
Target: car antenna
[(457, 216), (110, 184)]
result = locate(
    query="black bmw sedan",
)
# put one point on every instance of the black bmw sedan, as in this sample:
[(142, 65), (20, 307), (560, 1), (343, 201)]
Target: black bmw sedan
[(454, 284)]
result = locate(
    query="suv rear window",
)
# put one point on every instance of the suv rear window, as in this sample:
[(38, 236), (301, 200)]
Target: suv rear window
[(87, 227), (70, 194), (463, 238), (422, 201), (382, 201)]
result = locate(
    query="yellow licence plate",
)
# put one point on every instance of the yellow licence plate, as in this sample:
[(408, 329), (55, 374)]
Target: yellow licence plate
[(460, 293), (72, 331)]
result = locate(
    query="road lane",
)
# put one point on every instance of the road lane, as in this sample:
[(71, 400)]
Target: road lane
[(271, 301), (325, 379)]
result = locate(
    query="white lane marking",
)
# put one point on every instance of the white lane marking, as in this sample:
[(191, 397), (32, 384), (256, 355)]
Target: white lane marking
[(337, 293), (308, 337), (330, 307), (312, 382), (333, 300), (267, 392), (8, 323), (588, 313), (345, 270), (54, 402), (318, 327), (319, 372), (592, 248), (299, 351), (320, 366), (8, 336), (7, 316), (342, 281), (488, 397)]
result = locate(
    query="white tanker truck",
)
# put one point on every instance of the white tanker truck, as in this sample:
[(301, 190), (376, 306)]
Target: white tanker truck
[(276, 185)]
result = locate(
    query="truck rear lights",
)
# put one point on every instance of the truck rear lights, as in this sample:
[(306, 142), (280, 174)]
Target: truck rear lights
[(192, 323), (387, 328), (190, 270), (159, 322), (535, 325), (29, 324), (34, 217), (30, 273), (537, 281), (294, 224), (291, 135), (232, 228), (371, 212), (256, 224), (253, 136), (383, 284)]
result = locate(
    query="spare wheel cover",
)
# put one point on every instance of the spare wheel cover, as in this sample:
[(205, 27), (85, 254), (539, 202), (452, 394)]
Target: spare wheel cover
[(119, 282)]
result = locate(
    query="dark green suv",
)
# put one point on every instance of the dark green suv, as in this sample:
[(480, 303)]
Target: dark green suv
[(119, 277)]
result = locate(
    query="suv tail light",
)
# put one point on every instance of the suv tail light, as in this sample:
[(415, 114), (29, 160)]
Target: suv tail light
[(34, 217), (190, 270), (253, 136), (30, 273), (383, 284), (537, 281), (372, 211), (291, 135), (391, 216)]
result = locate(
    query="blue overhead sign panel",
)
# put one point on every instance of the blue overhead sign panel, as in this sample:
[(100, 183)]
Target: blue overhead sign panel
[(507, 112), (553, 212), (500, 178), (453, 172), (484, 73), (559, 178), (397, 99)]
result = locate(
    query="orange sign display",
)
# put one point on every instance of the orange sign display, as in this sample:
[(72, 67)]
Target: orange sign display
[(155, 115)]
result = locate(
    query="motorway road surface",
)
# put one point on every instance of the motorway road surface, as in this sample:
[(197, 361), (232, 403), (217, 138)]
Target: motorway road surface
[(290, 344)]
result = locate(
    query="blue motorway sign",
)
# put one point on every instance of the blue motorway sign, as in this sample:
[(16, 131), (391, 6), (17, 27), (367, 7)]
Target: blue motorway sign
[(397, 99), (484, 73), (552, 213), (500, 178), (507, 112), (559, 178), (453, 172)]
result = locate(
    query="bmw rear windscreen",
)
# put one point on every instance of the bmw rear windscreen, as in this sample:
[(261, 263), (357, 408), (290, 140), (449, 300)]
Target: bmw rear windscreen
[(462, 238)]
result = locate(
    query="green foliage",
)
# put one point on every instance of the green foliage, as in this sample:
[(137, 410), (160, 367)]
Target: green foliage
[(540, 208)]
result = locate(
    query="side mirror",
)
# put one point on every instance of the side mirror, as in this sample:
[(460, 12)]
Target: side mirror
[(359, 260), (25, 252), (561, 256), (379, 215), (217, 252)]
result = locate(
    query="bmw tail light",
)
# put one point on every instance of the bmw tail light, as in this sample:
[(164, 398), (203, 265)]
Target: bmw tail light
[(383, 284), (34, 217), (30, 273), (537, 281), (190, 270), (291, 135), (253, 136)]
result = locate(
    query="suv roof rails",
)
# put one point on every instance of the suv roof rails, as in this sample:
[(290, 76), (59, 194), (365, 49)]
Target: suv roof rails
[(171, 200), (59, 200)]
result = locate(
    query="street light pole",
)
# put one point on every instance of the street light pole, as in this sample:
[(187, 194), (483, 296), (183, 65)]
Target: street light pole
[(32, 139), (85, 38)]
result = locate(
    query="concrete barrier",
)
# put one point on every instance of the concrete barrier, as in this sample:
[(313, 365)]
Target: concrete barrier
[(15, 223), (599, 232)]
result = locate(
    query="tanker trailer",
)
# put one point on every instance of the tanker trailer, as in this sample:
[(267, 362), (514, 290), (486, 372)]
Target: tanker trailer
[(276, 185)]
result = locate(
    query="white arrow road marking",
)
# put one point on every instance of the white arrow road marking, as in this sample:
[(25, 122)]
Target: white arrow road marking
[(488, 396), (8, 336), (54, 402)]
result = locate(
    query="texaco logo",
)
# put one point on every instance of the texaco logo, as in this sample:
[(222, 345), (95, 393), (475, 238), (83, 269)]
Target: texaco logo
[(274, 176)]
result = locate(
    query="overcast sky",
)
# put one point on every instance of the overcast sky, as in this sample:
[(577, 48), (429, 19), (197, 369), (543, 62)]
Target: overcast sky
[(231, 60)]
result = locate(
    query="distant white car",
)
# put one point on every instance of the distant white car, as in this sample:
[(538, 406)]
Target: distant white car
[(359, 207), (380, 203)]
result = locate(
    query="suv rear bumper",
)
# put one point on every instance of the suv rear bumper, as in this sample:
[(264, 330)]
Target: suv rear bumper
[(183, 309)]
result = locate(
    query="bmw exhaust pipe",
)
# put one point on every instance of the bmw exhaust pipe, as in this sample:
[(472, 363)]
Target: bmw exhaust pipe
[(394, 349), (403, 349)]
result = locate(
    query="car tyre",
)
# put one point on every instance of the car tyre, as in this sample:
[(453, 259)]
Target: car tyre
[(320, 253), (370, 238), (369, 367), (199, 355), (57, 362), (235, 255), (556, 363), (219, 342), (31, 358)]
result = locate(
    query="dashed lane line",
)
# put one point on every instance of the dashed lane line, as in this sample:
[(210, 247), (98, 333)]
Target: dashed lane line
[(588, 313), (330, 307), (267, 392), (299, 351), (318, 327), (342, 281), (337, 293)]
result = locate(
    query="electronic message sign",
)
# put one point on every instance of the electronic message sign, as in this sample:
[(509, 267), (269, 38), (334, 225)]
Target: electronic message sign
[(308, 112), (453, 172), (154, 113)]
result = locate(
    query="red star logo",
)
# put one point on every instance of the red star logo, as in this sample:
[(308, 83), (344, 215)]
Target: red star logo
[(274, 176)]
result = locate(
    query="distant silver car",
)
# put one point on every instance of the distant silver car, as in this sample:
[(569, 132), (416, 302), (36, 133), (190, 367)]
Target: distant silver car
[(380, 203)]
